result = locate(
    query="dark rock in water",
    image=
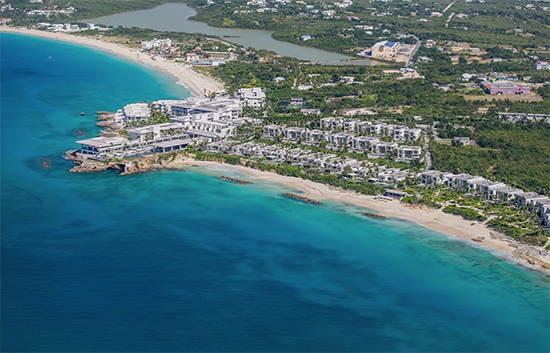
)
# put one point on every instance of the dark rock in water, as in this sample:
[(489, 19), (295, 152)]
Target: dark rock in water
[(45, 162), (300, 198), (234, 180), (373, 215), (81, 132)]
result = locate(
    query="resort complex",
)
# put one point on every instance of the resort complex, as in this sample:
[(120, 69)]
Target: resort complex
[(344, 147)]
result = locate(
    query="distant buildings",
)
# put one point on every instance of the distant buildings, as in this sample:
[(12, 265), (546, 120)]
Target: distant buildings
[(384, 50), (505, 88), (520, 117), (542, 65), (252, 97), (156, 43)]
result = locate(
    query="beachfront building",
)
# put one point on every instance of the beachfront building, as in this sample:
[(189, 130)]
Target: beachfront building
[(145, 135), (221, 107), (133, 113), (503, 193), (408, 153), (543, 211), (396, 194), (462, 181), (484, 187), (174, 145), (102, 145), (156, 43), (434, 177), (208, 128), (252, 97)]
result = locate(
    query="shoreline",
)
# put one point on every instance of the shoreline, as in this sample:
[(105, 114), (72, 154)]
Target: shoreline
[(474, 234), (449, 225), (196, 83)]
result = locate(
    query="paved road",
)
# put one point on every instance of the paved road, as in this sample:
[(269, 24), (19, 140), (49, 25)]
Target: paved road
[(411, 57), (427, 149)]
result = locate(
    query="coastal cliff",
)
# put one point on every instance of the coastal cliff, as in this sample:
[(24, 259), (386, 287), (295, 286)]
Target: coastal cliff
[(125, 167)]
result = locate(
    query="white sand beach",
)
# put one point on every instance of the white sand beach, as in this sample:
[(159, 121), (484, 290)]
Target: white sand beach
[(198, 84), (437, 220)]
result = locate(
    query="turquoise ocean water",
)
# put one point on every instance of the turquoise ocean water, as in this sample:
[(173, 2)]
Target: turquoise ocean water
[(182, 261)]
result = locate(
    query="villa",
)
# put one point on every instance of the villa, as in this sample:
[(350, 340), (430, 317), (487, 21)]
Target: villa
[(272, 131), (252, 97), (408, 153)]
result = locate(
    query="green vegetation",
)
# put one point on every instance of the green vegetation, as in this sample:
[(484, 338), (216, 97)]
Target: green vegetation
[(313, 175), (294, 171), (464, 212), (518, 154), (424, 201), (487, 23), (217, 157), (134, 36), (527, 236)]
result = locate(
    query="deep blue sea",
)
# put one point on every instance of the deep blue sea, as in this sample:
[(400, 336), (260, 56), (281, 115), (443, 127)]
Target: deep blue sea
[(182, 261)]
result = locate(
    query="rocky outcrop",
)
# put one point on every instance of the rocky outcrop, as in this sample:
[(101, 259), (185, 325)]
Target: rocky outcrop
[(126, 167), (373, 215), (300, 198), (105, 115), (96, 166), (234, 180), (106, 119), (533, 260)]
